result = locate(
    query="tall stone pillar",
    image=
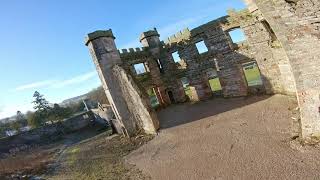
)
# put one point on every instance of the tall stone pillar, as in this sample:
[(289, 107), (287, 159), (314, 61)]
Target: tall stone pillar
[(118, 86)]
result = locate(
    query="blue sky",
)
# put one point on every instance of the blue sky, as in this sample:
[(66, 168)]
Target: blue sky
[(42, 40)]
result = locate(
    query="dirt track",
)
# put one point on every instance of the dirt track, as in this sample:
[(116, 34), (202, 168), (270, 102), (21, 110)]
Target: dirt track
[(228, 139)]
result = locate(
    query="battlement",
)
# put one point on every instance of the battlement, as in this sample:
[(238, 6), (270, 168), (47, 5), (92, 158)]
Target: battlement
[(132, 50), (183, 35)]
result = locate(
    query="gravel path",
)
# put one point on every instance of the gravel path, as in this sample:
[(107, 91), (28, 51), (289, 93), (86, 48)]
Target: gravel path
[(239, 138)]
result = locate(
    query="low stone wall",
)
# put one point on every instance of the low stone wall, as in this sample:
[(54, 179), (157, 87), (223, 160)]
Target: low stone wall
[(43, 135)]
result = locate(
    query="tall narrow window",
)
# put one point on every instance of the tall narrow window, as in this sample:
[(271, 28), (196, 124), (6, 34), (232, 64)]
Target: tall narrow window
[(185, 83), (153, 98), (176, 57), (201, 46), (160, 65), (237, 35), (214, 81)]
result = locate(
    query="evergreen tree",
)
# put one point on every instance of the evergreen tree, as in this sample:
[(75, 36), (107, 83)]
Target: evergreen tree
[(40, 103), (40, 116)]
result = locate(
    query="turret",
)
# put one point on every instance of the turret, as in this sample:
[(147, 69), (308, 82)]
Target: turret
[(150, 38), (102, 43)]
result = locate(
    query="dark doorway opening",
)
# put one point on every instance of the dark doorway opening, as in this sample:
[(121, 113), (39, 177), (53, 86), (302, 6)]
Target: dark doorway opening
[(170, 94)]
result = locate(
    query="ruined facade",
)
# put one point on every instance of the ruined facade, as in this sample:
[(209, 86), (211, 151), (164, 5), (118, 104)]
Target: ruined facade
[(282, 38)]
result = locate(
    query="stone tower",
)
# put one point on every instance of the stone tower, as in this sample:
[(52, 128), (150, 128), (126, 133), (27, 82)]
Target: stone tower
[(150, 40), (129, 104)]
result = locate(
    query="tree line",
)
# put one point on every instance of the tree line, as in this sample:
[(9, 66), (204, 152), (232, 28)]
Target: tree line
[(48, 114)]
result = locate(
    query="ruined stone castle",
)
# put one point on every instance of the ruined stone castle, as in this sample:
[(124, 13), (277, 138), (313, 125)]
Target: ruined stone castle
[(282, 40)]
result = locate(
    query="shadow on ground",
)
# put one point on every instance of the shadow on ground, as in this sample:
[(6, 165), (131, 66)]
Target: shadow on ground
[(176, 115)]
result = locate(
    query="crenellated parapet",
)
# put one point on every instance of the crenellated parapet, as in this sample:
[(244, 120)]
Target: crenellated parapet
[(132, 50), (182, 36), (134, 55)]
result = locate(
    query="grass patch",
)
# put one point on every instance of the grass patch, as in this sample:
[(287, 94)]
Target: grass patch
[(101, 158), (215, 84), (252, 74), (187, 90)]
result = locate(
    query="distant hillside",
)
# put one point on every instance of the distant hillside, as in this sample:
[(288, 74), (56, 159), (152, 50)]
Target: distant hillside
[(95, 95), (74, 100)]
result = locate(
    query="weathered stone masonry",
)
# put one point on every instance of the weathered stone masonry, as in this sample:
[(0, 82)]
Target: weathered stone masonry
[(129, 104), (296, 24), (281, 37)]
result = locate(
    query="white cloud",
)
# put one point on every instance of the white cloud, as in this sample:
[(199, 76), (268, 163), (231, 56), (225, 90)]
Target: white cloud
[(34, 85), (74, 80), (58, 83)]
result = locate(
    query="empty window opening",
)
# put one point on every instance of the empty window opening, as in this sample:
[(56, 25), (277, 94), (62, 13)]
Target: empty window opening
[(176, 57), (215, 84), (269, 29), (140, 68), (237, 35), (185, 83), (214, 81), (153, 98), (252, 74), (160, 65), (201, 46)]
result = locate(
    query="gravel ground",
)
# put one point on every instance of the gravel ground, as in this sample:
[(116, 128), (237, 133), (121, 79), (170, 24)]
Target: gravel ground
[(239, 138)]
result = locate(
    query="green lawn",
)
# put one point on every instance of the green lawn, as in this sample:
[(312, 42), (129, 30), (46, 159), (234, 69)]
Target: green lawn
[(252, 75), (215, 84)]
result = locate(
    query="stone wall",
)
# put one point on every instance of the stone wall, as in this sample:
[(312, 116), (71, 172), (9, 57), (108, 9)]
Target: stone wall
[(296, 25), (43, 135), (193, 65), (266, 50), (137, 102)]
